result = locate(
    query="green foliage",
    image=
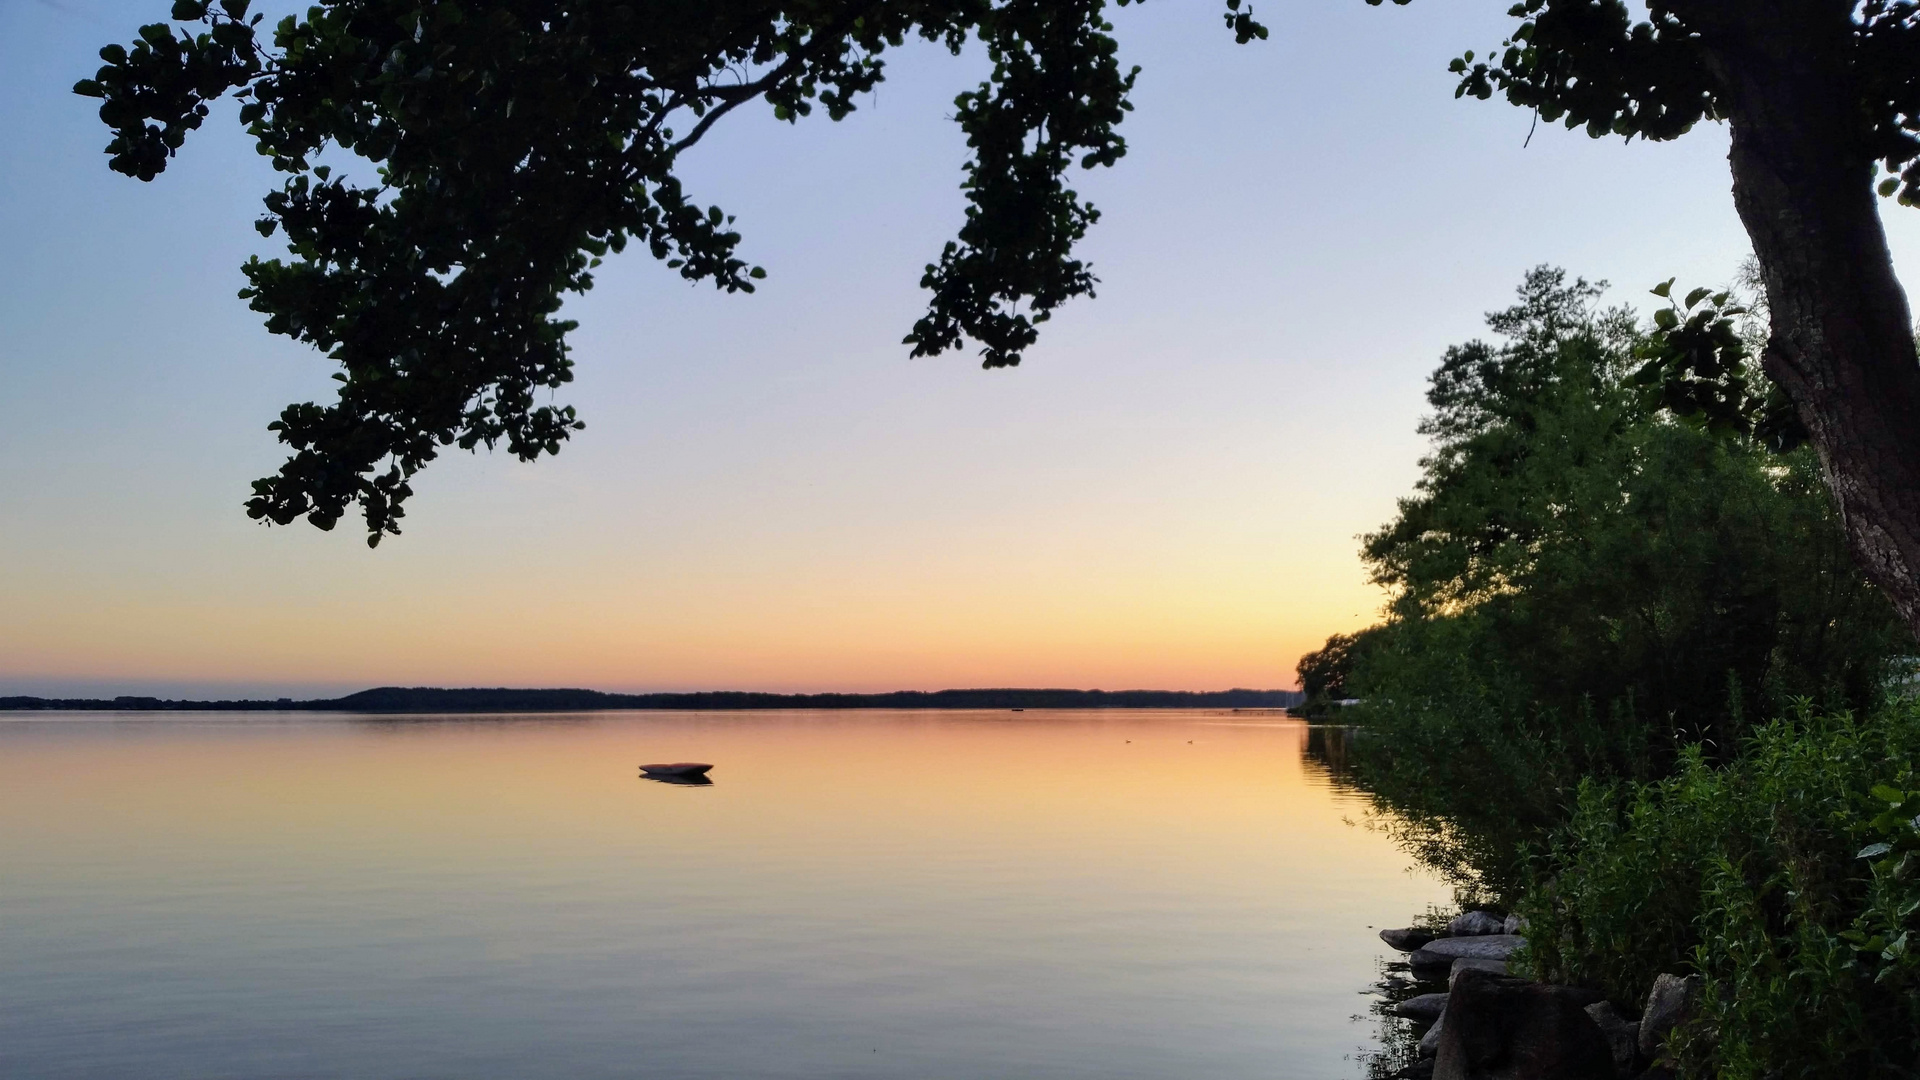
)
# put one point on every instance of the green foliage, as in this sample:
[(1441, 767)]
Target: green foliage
[(1882, 936), (1589, 546), (513, 144), (1589, 64), (1583, 584), (1324, 672), (1698, 363), (1753, 875), (1468, 776)]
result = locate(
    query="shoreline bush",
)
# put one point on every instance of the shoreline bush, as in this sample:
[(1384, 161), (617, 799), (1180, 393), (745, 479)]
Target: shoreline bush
[(1751, 873), (1632, 686), (1582, 585)]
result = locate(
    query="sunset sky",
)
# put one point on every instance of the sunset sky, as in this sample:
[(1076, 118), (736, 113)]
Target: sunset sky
[(769, 494)]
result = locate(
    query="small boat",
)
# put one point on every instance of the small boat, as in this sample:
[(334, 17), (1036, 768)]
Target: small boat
[(678, 768)]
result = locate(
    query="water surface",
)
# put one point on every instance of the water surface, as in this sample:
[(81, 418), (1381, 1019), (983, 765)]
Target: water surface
[(1152, 895)]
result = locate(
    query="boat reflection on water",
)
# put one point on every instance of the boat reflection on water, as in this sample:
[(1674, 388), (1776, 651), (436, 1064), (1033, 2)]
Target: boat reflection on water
[(688, 781)]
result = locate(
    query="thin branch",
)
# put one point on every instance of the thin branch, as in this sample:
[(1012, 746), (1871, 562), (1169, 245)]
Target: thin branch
[(731, 97)]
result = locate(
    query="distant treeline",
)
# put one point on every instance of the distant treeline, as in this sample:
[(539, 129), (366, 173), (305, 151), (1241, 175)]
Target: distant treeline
[(396, 699)]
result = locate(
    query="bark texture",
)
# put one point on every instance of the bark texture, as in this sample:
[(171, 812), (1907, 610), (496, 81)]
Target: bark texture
[(1842, 338)]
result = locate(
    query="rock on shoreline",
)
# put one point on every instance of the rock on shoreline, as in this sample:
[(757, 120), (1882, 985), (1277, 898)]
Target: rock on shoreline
[(1408, 938), (1442, 952), (1423, 1009), (1490, 1025), (1475, 923), (1501, 1026)]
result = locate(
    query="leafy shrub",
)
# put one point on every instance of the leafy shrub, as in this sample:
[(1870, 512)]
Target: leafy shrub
[(1753, 875), (1598, 552), (1582, 585), (1467, 779), (1617, 687)]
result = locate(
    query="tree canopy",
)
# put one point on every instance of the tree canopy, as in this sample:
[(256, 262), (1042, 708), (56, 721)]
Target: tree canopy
[(1582, 543), (1584, 582), (515, 143), (1822, 98)]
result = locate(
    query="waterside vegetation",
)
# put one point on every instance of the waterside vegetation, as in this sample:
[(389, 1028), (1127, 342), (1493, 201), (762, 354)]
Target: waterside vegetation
[(1631, 687)]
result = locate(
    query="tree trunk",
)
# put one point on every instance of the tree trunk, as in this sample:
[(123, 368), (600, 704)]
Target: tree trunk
[(1842, 342)]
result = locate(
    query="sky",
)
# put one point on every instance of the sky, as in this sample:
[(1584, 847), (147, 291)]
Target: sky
[(769, 494)]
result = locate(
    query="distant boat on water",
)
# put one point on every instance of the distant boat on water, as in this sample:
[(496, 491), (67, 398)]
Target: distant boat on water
[(680, 769)]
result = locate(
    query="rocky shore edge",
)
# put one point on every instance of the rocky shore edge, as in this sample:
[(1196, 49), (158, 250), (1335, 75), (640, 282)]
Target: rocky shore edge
[(1489, 1023)]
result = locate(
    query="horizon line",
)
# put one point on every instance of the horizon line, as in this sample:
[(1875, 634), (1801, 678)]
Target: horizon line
[(425, 698)]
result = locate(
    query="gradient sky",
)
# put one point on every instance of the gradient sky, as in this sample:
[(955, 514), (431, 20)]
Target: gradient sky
[(769, 494)]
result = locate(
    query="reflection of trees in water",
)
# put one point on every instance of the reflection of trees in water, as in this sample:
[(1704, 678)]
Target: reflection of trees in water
[(1465, 816), (402, 722), (1331, 747), (1334, 748), (1398, 1038)]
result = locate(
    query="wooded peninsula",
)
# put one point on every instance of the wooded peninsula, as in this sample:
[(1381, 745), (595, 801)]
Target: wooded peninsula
[(423, 699)]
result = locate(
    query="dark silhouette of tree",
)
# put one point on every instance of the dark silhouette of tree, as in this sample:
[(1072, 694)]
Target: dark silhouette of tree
[(1590, 559), (1325, 671), (520, 141), (1823, 98)]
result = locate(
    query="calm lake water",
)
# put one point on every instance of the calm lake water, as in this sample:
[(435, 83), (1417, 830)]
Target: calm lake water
[(922, 896)]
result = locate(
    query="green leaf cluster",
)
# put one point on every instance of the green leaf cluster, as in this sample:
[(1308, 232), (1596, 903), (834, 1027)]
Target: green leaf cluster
[(1698, 361), (1883, 934), (1592, 64)]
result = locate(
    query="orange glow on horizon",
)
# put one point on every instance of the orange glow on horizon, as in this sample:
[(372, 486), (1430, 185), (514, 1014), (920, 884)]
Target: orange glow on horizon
[(1206, 620)]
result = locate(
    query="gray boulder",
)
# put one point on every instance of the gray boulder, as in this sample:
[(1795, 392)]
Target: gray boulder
[(1579, 995), (1477, 963), (1667, 1005), (1498, 1027), (1513, 925), (1623, 1035), (1475, 923), (1430, 1042), (1426, 1008), (1442, 952), (1408, 939)]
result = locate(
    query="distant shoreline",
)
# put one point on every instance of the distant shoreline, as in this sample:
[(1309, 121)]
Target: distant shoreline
[(395, 699)]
